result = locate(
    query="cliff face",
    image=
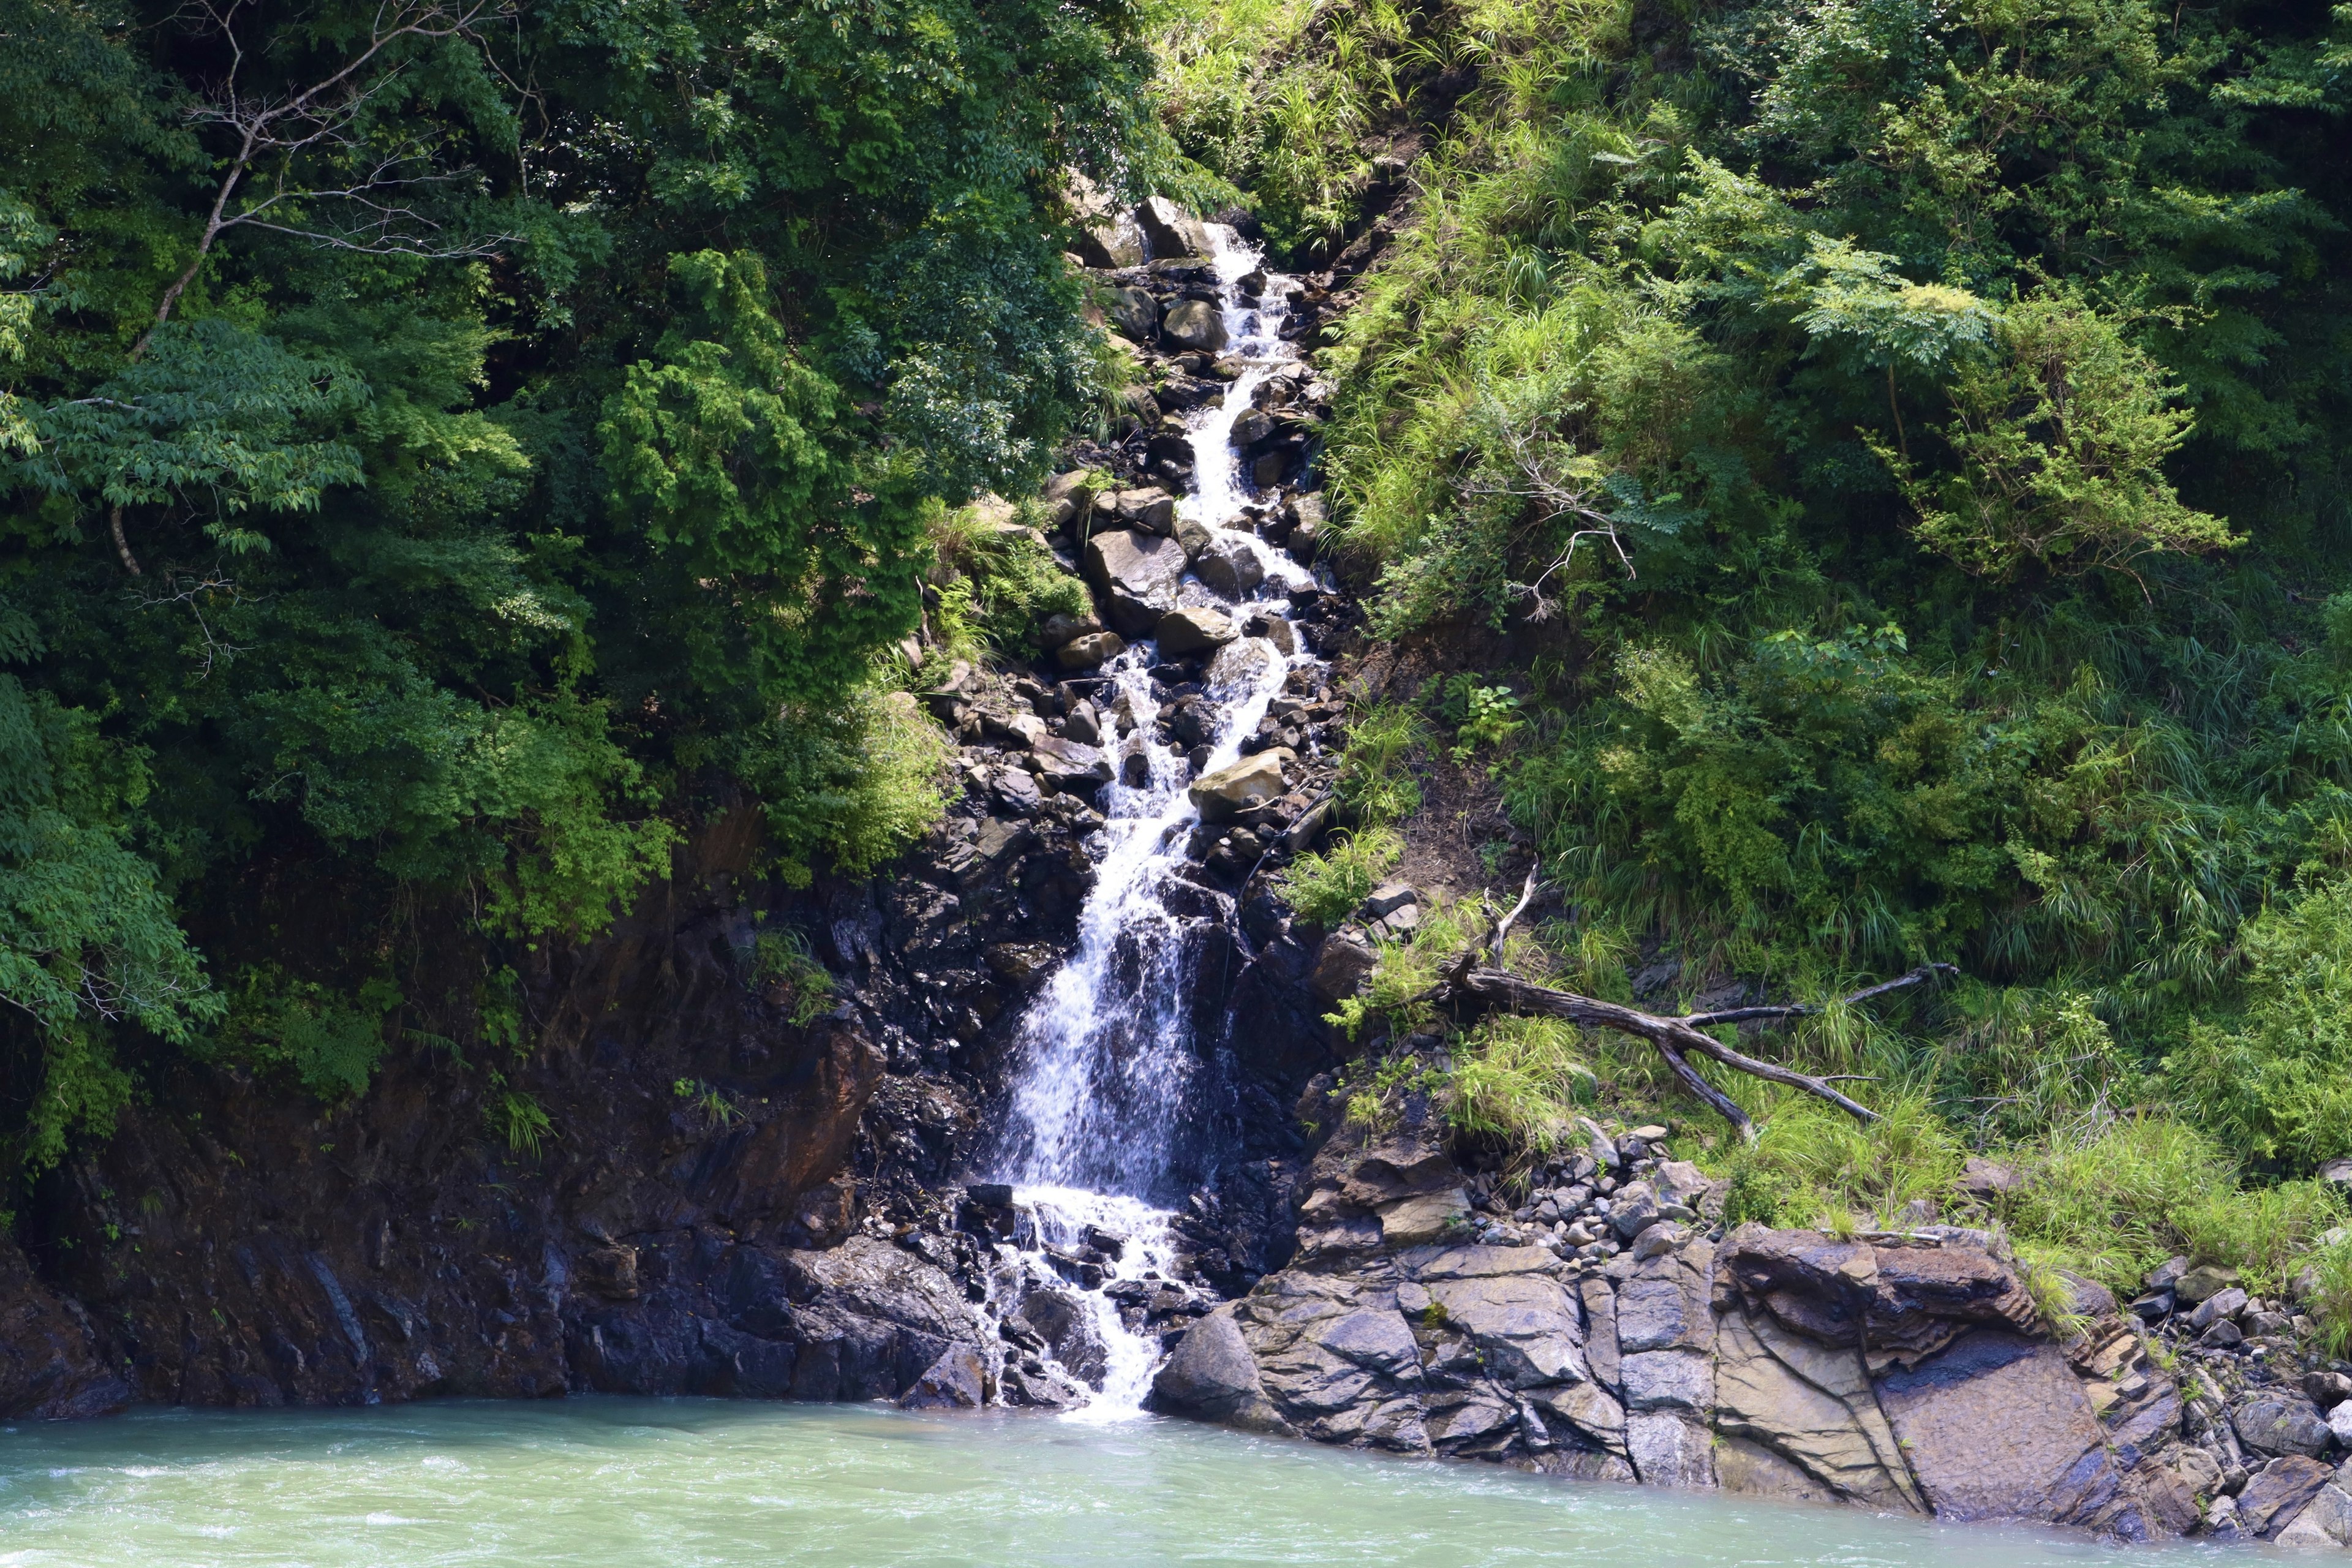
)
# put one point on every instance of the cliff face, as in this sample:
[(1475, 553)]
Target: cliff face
[(1908, 1373), (710, 1210)]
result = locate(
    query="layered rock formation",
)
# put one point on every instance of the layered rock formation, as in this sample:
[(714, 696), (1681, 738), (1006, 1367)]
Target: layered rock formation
[(1908, 1373)]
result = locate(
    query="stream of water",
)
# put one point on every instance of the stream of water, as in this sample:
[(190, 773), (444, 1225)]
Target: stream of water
[(604, 1482), (1111, 1063)]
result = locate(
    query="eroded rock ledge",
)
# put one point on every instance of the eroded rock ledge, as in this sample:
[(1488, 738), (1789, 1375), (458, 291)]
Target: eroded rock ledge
[(1904, 1371)]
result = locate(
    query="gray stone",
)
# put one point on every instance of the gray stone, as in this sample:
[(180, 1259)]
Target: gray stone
[(1516, 1313), (1668, 1380), (1190, 324), (950, 1382), (2225, 1303), (2205, 1280), (1668, 1450), (1342, 965), (1388, 898), (1813, 1407), (1190, 631), (2281, 1422), (1996, 1425), (1138, 577), (1633, 1209), (1238, 785), (1274, 630), (2167, 1275), (2279, 1492), (1058, 628), (1091, 651), (1228, 565), (2324, 1523), (1146, 511), (1136, 313), (1241, 664), (1171, 231), (1069, 765), (1068, 497), (1213, 1374)]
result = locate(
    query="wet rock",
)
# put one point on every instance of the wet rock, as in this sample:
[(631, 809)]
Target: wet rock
[(1251, 781), (950, 1382), (1228, 564), (1274, 629), (1811, 1405), (1137, 576), (1192, 324), (1996, 1427), (1908, 1300), (1090, 651), (2323, 1523), (1668, 1449), (51, 1366), (1251, 427), (1243, 663), (1070, 765), (1191, 631), (1213, 1376)]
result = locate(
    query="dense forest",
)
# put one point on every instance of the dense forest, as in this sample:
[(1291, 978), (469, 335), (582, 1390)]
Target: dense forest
[(1871, 476), (450, 446)]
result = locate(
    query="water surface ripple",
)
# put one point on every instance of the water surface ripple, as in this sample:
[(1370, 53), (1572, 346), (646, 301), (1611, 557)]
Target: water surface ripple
[(604, 1482)]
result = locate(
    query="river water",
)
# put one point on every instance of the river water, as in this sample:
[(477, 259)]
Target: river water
[(624, 1483)]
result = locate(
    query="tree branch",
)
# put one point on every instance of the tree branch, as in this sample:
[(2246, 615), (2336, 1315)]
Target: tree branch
[(1676, 1039)]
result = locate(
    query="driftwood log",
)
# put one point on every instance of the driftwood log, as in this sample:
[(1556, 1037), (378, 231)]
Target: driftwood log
[(1471, 982)]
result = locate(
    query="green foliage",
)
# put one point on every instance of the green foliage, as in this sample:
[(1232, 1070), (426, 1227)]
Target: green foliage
[(1812, 1163), (850, 785), (2279, 1086), (443, 547), (1376, 782), (328, 1043), (520, 1121), (2061, 446), (782, 959), (1520, 1081), (997, 582), (1326, 888)]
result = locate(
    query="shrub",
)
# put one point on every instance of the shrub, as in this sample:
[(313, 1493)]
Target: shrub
[(1519, 1080)]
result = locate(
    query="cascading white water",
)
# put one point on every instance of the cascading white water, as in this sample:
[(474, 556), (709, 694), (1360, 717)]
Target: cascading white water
[(1109, 1053)]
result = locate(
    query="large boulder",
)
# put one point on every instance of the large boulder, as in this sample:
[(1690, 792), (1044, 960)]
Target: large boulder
[(1228, 564), (1214, 1375), (1136, 313), (1171, 231), (1237, 786), (1194, 326), (1137, 576), (1090, 651), (1811, 1407), (1190, 630), (1996, 1427)]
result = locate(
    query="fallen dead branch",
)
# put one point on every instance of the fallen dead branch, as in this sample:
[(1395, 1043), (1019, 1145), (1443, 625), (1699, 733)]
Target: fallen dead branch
[(1676, 1039)]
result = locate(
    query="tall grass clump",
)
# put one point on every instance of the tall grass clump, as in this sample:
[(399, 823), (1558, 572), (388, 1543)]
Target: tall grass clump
[(1325, 887)]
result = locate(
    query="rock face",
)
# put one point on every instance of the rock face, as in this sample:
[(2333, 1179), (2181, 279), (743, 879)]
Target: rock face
[(1192, 325), (1903, 1373)]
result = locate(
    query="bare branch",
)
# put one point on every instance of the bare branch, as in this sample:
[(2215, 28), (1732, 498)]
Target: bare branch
[(1805, 1009), (324, 113)]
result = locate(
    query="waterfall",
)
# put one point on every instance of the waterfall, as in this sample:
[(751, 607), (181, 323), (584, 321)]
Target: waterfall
[(1109, 1081)]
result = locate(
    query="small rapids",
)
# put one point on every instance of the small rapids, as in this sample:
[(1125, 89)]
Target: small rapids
[(1111, 1052)]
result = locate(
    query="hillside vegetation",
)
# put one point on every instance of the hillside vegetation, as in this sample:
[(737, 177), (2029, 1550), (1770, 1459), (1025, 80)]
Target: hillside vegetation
[(450, 448), (1879, 471)]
